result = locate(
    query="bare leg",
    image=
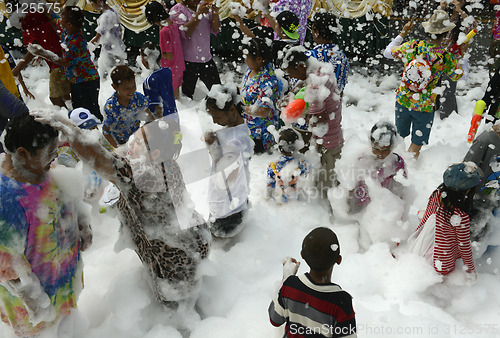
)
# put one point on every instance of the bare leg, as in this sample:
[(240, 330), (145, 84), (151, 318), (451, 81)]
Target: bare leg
[(176, 93), (415, 149), (58, 101)]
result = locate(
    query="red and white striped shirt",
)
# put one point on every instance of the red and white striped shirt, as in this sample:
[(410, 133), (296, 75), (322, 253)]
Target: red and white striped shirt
[(452, 236)]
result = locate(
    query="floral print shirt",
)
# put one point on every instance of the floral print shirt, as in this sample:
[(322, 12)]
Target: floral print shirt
[(124, 121), (441, 62), (331, 53), (262, 90)]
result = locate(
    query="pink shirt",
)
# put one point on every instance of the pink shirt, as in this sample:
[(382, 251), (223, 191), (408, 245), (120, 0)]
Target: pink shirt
[(196, 48), (332, 105), (170, 42)]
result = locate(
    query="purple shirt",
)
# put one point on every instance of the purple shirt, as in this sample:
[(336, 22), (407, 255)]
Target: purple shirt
[(196, 48)]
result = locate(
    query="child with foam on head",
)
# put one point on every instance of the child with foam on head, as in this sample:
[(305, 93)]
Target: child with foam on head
[(78, 66), (170, 42), (158, 86), (231, 148), (125, 110), (382, 165), (310, 304), (286, 176), (109, 36), (443, 235)]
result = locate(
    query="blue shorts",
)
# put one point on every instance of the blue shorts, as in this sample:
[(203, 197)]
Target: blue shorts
[(420, 124)]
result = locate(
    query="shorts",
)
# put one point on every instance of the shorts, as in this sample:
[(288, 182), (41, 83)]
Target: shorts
[(58, 85), (420, 124)]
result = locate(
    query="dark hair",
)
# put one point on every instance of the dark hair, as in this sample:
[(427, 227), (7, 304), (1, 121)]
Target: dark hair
[(459, 199), (155, 12), (321, 249), (24, 131), (287, 139), (74, 15), (259, 47), (231, 99), (163, 135), (383, 131), (325, 24), (293, 58), (121, 74), (151, 46)]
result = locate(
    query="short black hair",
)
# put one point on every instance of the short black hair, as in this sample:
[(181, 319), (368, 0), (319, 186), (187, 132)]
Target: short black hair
[(152, 46), (321, 249), (259, 47), (155, 12), (287, 140), (121, 74), (24, 131), (74, 15), (231, 98), (294, 57), (325, 23)]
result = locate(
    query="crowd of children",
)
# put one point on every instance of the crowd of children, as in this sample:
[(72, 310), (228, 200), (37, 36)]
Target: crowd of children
[(169, 236)]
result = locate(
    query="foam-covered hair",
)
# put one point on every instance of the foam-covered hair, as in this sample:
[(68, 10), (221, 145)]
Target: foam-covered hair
[(383, 134)]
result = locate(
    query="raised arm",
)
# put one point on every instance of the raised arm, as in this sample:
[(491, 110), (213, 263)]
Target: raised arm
[(82, 141)]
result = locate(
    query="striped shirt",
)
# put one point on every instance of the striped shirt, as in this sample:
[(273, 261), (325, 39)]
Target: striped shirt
[(452, 236), (313, 310)]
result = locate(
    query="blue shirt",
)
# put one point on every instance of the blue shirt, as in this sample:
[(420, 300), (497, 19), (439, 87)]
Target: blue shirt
[(331, 53), (124, 121), (158, 88)]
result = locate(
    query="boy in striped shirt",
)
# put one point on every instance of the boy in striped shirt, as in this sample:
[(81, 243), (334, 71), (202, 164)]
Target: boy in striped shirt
[(310, 304)]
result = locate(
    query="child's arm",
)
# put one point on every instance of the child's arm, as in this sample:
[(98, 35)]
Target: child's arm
[(244, 28), (25, 89), (95, 39), (191, 25), (109, 137), (23, 64), (215, 23), (48, 55), (275, 25), (398, 40), (257, 111), (167, 55), (82, 142)]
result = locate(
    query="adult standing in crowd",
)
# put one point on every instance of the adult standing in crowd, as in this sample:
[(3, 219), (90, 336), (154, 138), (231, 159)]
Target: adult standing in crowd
[(197, 21)]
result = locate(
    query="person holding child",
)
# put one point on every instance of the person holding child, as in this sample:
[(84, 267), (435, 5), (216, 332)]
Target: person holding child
[(230, 148), (285, 176), (260, 92), (448, 216), (425, 61), (197, 20), (324, 115), (75, 59), (310, 304), (42, 234), (170, 43), (157, 217), (125, 110)]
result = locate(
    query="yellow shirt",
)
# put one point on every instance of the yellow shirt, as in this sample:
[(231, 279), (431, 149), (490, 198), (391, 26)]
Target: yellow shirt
[(6, 74)]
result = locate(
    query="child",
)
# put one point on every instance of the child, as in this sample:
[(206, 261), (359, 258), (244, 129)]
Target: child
[(323, 32), (260, 92), (450, 204), (425, 61), (311, 303), (384, 165), (79, 68), (37, 28), (109, 35), (231, 148), (170, 43), (300, 8), (10, 106), (197, 21), (324, 118), (125, 109), (7, 66), (285, 176), (41, 274), (158, 85)]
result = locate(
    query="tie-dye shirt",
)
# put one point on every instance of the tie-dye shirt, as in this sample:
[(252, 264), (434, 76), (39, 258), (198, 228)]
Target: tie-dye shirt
[(496, 27), (40, 230), (447, 64), (262, 90)]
